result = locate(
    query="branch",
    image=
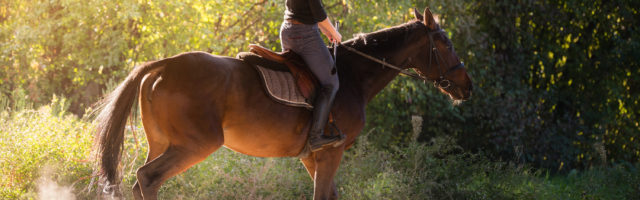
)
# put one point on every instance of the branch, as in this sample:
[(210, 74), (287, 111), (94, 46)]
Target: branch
[(242, 18), (237, 34)]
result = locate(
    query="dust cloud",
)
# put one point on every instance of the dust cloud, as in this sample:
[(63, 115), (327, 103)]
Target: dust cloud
[(50, 190)]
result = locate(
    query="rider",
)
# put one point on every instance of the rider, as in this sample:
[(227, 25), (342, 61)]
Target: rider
[(299, 33)]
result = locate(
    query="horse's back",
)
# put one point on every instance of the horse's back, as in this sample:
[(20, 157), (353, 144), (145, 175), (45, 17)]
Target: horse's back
[(199, 68)]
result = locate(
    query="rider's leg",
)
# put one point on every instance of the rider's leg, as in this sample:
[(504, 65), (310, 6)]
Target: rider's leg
[(306, 41)]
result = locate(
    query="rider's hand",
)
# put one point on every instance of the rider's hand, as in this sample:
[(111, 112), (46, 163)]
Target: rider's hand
[(334, 37), (328, 30)]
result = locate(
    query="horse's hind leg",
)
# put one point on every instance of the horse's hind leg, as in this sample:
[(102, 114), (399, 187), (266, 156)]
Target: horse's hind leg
[(158, 142), (193, 134), (157, 145), (172, 162)]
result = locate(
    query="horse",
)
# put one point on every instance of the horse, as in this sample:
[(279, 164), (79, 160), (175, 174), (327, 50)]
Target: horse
[(193, 103)]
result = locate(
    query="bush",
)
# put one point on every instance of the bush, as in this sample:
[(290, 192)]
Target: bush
[(37, 143), (45, 152), (554, 84)]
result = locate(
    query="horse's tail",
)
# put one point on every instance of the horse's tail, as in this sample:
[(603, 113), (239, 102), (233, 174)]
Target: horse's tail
[(110, 123)]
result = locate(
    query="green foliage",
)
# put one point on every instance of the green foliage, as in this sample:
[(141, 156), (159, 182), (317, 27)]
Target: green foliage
[(74, 48), (555, 84), (561, 74), (33, 141), (43, 144), (63, 47), (586, 184), (230, 175)]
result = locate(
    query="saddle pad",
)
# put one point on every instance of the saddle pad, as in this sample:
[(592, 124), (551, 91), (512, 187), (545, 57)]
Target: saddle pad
[(282, 87)]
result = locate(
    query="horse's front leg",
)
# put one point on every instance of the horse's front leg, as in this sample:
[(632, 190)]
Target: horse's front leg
[(310, 164), (326, 164)]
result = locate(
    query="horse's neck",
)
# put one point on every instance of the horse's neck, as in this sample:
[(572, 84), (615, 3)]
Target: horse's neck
[(372, 77), (373, 84)]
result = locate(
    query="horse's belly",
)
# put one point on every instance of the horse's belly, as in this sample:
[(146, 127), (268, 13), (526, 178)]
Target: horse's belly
[(264, 143), (254, 124)]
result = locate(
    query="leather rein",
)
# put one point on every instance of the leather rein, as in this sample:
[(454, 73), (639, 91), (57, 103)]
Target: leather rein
[(442, 82)]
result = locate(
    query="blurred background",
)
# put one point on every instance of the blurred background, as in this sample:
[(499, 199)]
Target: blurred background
[(554, 113)]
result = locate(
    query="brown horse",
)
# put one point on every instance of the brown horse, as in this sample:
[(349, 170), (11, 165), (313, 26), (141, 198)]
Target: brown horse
[(194, 103)]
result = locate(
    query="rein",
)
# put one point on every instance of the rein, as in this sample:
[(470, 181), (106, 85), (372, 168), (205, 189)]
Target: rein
[(386, 64), (441, 82)]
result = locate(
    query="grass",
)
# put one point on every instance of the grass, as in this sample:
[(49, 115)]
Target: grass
[(35, 141), (46, 145)]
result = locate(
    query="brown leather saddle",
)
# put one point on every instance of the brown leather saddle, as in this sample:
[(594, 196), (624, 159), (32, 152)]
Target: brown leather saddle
[(283, 61), (289, 61)]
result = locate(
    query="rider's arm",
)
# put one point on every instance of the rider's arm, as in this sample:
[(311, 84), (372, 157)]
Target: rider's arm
[(320, 15), (317, 10), (329, 31)]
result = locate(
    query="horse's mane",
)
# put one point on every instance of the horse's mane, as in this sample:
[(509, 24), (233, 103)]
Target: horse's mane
[(381, 39), (377, 44)]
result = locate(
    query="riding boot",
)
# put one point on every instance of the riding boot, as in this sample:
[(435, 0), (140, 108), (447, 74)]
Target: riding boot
[(321, 110)]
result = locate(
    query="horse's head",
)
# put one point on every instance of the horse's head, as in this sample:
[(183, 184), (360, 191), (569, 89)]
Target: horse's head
[(438, 61)]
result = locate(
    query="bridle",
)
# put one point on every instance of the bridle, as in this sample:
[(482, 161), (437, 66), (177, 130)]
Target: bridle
[(441, 82)]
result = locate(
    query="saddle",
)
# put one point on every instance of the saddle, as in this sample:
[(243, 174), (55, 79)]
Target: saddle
[(282, 70), (287, 61)]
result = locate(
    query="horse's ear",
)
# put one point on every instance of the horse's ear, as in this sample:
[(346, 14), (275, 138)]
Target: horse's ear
[(417, 14), (428, 19)]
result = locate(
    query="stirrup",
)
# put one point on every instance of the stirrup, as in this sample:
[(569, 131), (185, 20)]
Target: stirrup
[(341, 138)]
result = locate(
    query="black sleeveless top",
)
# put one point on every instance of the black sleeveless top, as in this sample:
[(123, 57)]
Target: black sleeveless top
[(305, 11)]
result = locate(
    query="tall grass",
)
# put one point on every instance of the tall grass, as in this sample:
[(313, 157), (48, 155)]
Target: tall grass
[(35, 141), (47, 144)]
